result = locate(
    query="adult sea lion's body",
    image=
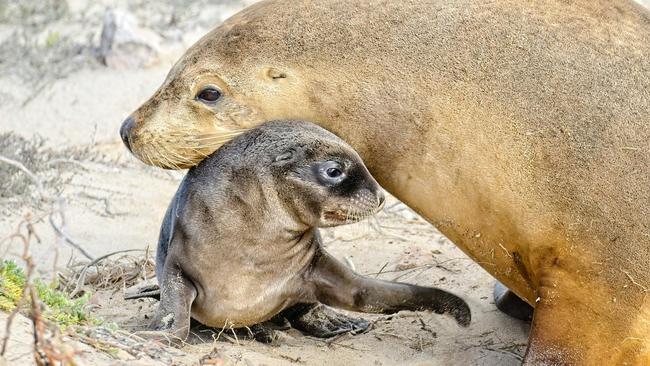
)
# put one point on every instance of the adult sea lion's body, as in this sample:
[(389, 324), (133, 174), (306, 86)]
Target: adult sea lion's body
[(240, 243), (519, 129)]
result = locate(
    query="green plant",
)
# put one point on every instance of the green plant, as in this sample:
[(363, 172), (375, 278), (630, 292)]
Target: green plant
[(12, 281), (59, 308), (52, 39)]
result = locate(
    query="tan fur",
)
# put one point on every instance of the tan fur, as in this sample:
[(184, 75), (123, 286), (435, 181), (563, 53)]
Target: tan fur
[(520, 129)]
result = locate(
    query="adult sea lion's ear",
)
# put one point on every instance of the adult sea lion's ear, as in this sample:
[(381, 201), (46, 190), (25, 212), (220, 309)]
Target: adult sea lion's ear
[(274, 74)]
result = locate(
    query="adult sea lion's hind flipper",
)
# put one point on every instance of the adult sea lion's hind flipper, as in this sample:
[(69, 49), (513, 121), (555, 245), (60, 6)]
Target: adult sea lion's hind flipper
[(509, 303), (336, 285)]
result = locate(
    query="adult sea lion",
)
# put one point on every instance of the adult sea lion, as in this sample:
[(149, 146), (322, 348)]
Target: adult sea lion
[(519, 129), (239, 243)]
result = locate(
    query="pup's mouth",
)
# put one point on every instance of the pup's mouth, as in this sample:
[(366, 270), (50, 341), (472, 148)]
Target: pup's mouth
[(336, 215), (348, 215)]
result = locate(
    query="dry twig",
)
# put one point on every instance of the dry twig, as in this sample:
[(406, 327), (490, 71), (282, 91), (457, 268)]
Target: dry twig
[(48, 349), (45, 197)]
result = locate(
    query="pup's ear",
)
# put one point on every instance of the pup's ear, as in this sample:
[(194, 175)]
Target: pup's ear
[(285, 157)]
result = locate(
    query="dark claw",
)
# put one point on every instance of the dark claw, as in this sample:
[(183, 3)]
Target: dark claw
[(461, 312), (263, 334), (448, 303), (322, 322)]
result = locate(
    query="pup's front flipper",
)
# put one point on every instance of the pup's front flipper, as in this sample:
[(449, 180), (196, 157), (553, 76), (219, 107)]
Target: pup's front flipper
[(336, 285), (320, 321)]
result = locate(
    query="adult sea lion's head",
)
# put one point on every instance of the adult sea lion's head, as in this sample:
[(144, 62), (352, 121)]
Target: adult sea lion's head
[(232, 79)]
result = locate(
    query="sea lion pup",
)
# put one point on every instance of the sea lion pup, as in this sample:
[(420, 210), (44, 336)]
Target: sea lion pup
[(239, 243)]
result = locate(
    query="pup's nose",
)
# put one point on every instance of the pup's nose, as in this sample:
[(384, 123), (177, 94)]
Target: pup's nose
[(125, 131), (382, 199)]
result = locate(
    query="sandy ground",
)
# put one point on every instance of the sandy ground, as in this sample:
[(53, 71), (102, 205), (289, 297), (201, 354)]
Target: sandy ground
[(113, 202)]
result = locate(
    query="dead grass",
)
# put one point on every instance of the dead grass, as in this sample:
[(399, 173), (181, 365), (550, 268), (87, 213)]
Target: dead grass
[(34, 53), (54, 169), (43, 48), (106, 273)]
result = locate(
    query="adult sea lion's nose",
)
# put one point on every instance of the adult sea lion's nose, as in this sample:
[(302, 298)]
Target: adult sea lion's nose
[(125, 131)]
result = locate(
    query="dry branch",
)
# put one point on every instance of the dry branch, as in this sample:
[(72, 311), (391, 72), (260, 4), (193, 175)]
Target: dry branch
[(32, 176), (48, 349), (50, 199), (82, 274)]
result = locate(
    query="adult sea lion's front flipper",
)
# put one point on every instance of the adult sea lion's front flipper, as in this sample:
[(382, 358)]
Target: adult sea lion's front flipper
[(582, 320), (336, 285), (321, 321)]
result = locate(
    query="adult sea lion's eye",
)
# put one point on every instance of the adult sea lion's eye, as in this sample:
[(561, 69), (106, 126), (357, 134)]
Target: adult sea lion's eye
[(209, 95)]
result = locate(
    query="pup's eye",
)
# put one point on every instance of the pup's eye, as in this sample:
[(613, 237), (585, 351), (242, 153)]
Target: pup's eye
[(209, 95), (333, 172)]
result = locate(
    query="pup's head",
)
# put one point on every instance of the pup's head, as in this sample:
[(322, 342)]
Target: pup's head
[(320, 178)]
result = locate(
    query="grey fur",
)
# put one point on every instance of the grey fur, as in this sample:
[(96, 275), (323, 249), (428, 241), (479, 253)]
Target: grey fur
[(239, 243)]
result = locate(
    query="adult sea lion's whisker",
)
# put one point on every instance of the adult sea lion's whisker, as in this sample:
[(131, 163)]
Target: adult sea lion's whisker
[(212, 143), (179, 158), (210, 139), (147, 157), (176, 157), (224, 133), (166, 159), (217, 137), (193, 149), (220, 136)]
